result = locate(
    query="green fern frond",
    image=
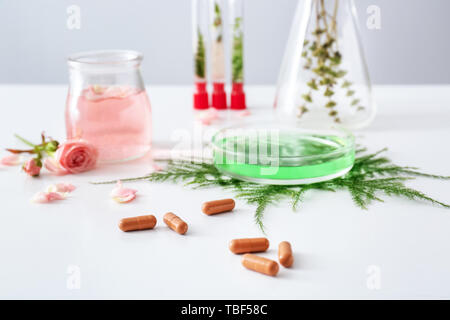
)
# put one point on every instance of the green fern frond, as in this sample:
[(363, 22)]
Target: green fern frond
[(371, 177)]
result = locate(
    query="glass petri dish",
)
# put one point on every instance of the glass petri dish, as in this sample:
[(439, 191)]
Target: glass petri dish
[(283, 153)]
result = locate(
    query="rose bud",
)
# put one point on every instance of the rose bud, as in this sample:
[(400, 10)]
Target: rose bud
[(32, 167)]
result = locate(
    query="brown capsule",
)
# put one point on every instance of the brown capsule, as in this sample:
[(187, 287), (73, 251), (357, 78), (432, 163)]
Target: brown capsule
[(249, 245), (285, 255), (175, 223), (260, 264), (218, 206), (137, 223)]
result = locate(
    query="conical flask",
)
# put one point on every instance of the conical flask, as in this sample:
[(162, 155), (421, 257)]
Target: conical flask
[(324, 76)]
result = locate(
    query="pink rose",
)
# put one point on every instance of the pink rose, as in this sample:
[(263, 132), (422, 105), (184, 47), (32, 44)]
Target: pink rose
[(32, 168), (75, 156)]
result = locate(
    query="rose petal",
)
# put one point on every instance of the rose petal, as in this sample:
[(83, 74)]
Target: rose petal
[(52, 165), (123, 195), (94, 92), (244, 113), (61, 187), (55, 196), (205, 120), (11, 160), (97, 89), (45, 197), (125, 199), (97, 92), (123, 192), (207, 117), (119, 91), (65, 187), (117, 187), (40, 197)]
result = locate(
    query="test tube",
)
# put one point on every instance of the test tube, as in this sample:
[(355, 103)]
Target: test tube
[(237, 54), (219, 98), (200, 41)]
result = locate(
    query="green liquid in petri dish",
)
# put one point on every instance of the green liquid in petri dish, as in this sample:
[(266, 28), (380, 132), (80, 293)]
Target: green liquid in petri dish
[(288, 157)]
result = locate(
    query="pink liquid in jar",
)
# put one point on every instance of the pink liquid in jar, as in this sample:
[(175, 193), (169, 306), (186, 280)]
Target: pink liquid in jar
[(115, 119)]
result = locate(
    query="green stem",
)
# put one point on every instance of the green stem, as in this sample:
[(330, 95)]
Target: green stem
[(24, 140), (123, 180)]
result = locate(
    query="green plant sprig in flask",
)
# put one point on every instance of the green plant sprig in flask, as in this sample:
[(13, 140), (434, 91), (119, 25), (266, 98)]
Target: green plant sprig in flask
[(323, 58)]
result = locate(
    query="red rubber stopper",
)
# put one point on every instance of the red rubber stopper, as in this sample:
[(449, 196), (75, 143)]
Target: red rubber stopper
[(238, 97), (219, 97), (201, 96)]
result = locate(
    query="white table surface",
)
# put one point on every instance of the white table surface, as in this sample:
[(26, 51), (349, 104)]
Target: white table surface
[(335, 243)]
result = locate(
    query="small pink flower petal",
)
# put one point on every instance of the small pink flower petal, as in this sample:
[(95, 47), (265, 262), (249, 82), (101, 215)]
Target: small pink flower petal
[(208, 117), (123, 192), (205, 119), (53, 166), (61, 187), (123, 195), (65, 187), (40, 197), (119, 91), (46, 197), (95, 92), (55, 196), (206, 122), (125, 199), (10, 160), (244, 113)]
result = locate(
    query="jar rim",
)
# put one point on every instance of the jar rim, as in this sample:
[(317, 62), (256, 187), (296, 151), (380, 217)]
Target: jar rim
[(105, 58)]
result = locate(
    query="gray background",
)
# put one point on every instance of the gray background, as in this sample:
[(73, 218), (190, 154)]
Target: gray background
[(412, 46)]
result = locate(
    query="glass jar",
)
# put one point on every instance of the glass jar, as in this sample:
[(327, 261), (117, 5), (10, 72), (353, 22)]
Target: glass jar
[(324, 76), (107, 104)]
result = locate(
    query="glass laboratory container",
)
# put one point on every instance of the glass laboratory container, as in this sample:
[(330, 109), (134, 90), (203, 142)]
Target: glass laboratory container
[(199, 45), (219, 98), (237, 54), (324, 76), (107, 104)]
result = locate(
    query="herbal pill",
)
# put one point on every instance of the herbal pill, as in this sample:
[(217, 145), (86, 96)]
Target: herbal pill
[(249, 245), (137, 223), (175, 223), (218, 206), (260, 264), (285, 254)]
